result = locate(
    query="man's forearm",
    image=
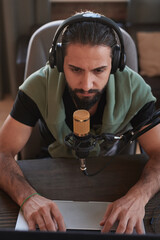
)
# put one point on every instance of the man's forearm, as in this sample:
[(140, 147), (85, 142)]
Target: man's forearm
[(149, 182), (12, 180)]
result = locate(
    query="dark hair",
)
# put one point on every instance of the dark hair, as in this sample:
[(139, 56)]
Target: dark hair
[(92, 33)]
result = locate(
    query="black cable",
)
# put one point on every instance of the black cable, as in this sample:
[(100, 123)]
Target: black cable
[(93, 174)]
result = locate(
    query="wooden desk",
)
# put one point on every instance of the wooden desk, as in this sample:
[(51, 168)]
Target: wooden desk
[(62, 179)]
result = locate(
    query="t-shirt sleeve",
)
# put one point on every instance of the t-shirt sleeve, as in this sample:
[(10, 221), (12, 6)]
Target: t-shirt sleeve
[(25, 110)]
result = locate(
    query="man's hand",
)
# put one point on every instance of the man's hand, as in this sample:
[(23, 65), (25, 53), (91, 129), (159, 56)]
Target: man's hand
[(43, 212), (128, 212)]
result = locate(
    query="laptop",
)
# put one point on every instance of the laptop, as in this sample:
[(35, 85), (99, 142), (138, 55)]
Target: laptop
[(78, 216)]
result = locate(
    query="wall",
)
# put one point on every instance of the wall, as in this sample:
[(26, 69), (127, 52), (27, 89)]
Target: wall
[(18, 18), (115, 10)]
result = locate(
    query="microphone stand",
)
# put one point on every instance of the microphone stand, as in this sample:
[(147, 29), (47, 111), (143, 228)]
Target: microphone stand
[(83, 145)]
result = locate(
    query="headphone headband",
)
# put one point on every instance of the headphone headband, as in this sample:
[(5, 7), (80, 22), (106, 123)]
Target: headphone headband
[(87, 17)]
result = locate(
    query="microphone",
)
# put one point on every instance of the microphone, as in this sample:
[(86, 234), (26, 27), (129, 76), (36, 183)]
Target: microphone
[(81, 128), (81, 140), (81, 123)]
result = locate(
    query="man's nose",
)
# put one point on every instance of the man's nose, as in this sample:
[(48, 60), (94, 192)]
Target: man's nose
[(87, 82)]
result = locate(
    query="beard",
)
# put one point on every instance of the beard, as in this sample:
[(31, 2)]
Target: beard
[(85, 102)]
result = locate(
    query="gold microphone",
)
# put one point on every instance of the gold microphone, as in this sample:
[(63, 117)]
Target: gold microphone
[(81, 129), (81, 140), (81, 123)]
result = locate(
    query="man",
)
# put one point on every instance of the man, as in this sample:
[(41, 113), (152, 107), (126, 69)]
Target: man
[(115, 102)]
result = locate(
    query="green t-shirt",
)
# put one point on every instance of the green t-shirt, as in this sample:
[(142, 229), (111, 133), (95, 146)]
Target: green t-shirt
[(126, 94)]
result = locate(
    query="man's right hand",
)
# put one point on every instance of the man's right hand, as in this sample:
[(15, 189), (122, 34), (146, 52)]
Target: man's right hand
[(43, 212)]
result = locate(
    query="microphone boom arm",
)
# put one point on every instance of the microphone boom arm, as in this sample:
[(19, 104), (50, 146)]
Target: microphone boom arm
[(83, 145)]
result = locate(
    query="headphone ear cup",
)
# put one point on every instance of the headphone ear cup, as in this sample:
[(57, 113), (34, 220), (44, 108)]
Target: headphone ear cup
[(51, 58), (123, 61), (59, 57), (56, 57), (116, 55)]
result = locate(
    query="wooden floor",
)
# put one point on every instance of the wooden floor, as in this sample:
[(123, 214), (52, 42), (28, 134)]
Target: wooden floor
[(5, 108)]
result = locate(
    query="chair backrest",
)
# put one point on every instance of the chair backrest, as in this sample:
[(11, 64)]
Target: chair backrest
[(39, 46), (37, 56)]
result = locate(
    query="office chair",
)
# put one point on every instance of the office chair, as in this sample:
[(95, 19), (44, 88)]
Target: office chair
[(37, 56)]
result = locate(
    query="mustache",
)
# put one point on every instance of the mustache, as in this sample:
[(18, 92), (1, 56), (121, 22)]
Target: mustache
[(89, 91)]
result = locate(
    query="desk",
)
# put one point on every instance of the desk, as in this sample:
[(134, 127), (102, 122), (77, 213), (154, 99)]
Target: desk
[(61, 179)]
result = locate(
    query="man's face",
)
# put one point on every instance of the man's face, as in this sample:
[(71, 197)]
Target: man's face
[(87, 69)]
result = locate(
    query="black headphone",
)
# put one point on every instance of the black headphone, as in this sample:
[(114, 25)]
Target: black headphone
[(56, 54)]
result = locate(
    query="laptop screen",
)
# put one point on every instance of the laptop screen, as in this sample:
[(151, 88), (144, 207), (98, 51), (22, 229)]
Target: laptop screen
[(33, 235)]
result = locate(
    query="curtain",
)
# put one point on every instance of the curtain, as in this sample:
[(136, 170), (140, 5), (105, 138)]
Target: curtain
[(17, 18), (3, 59)]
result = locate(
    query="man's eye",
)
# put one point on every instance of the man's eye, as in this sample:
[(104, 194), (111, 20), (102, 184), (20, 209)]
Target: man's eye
[(99, 70), (77, 70)]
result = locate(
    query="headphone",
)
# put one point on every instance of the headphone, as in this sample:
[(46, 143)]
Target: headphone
[(56, 53)]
